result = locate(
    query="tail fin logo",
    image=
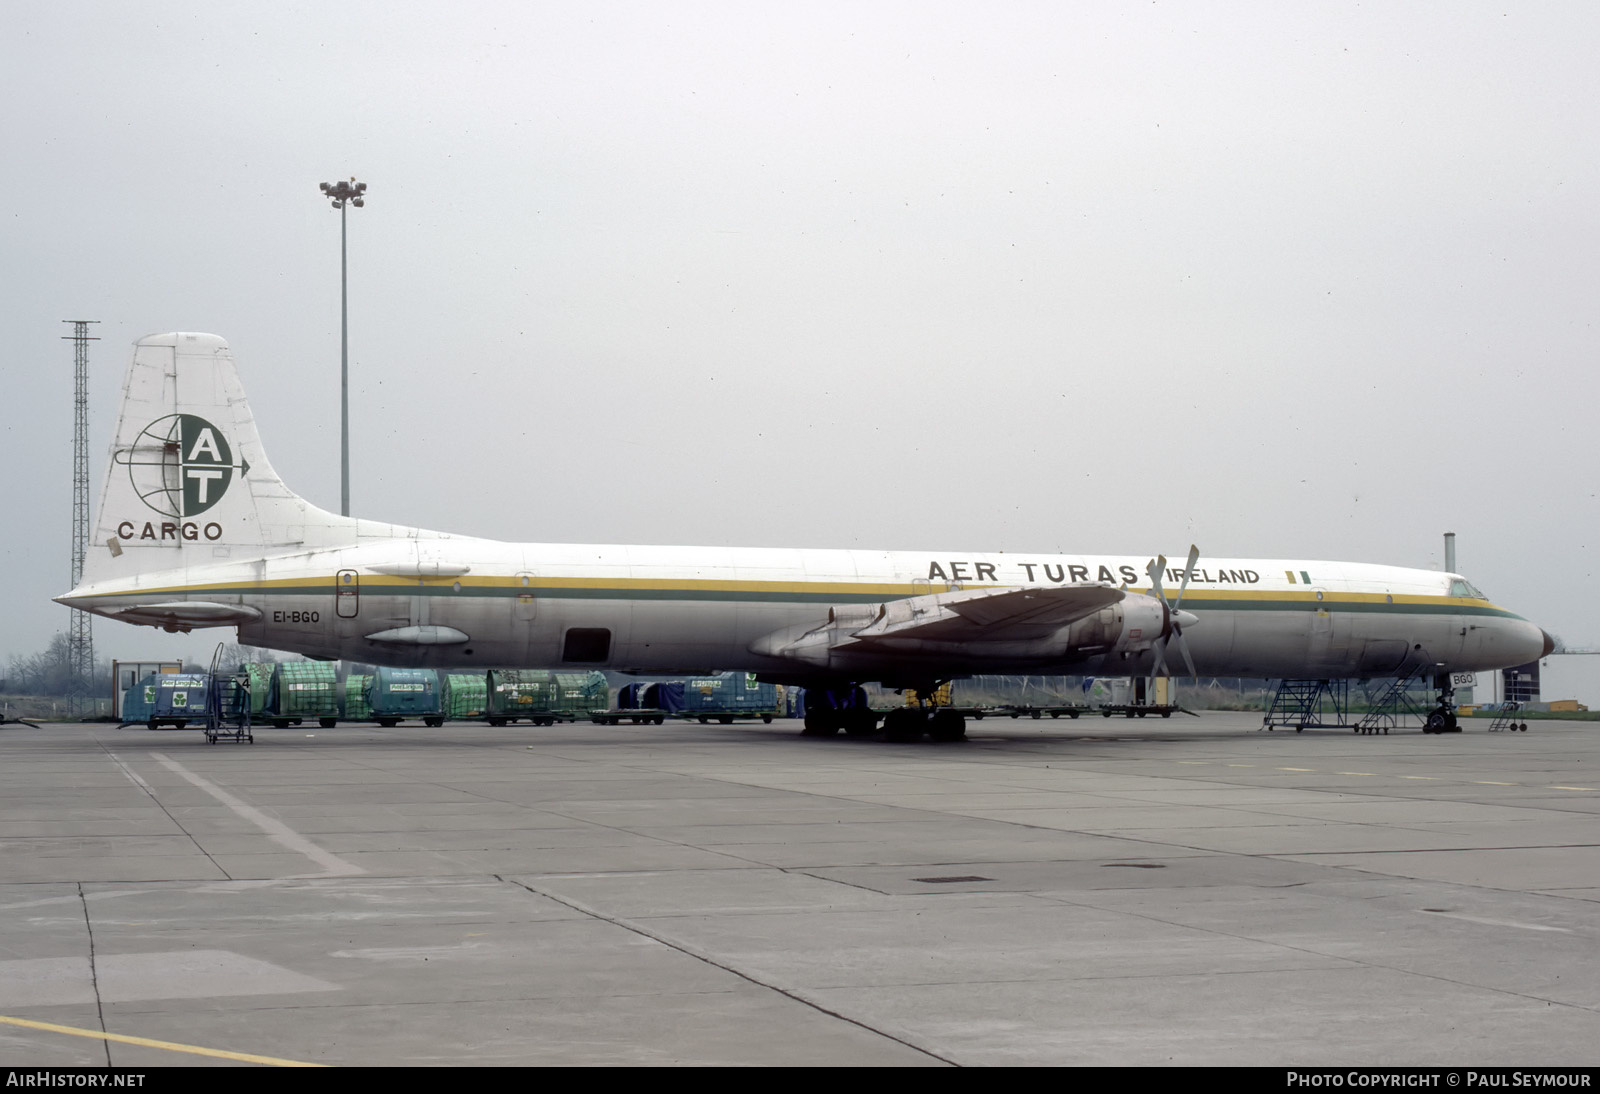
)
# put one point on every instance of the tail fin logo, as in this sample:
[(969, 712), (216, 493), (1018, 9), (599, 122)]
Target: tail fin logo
[(181, 465)]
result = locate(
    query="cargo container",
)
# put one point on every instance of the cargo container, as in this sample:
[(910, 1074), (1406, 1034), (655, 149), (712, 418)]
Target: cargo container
[(635, 703), (729, 696), (666, 695), (302, 690), (139, 700), (180, 698), (580, 693), (465, 695), (260, 677), (356, 707), (395, 694), (126, 676), (521, 695)]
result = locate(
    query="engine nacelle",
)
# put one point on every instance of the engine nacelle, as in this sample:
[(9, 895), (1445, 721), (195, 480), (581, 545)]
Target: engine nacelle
[(1132, 625), (855, 616)]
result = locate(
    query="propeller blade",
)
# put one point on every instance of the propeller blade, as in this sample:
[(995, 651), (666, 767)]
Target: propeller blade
[(1176, 619), (1153, 571), (1160, 650), (1183, 648), (1194, 557)]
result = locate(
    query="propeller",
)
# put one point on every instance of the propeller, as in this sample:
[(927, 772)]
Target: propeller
[(1176, 618)]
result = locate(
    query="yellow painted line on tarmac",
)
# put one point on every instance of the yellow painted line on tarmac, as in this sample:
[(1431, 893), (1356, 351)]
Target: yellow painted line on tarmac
[(1572, 788), (1373, 774), (1426, 778), (1302, 770), (1486, 782), (171, 1046)]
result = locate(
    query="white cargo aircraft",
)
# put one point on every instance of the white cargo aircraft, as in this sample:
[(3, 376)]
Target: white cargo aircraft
[(196, 530)]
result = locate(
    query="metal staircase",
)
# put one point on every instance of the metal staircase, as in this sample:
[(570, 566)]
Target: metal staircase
[(1304, 703), (1392, 704)]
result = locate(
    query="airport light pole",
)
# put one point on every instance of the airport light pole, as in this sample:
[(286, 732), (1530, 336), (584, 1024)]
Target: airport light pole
[(341, 194)]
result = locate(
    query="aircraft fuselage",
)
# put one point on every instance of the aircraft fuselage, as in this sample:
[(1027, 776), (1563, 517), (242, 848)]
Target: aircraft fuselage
[(457, 602)]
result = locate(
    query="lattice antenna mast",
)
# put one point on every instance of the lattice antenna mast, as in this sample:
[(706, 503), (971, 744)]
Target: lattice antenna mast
[(80, 640)]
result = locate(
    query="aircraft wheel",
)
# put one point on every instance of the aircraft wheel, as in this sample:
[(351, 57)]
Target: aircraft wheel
[(327, 723), (822, 722), (860, 722), (1434, 724), (947, 725), (904, 725)]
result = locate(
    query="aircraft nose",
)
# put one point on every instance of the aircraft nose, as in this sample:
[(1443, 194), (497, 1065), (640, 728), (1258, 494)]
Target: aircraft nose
[(1549, 643)]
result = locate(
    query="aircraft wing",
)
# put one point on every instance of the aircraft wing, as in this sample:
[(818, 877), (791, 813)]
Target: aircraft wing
[(972, 622), (988, 615)]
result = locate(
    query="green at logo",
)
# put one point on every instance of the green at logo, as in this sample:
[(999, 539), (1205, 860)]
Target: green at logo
[(181, 465)]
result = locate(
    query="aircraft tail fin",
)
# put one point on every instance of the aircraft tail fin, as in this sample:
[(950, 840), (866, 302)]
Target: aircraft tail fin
[(189, 482)]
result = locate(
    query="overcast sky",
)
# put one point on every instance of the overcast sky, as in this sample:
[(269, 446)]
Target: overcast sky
[(1311, 280)]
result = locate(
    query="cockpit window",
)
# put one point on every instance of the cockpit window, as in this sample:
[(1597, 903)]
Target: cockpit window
[(1458, 587)]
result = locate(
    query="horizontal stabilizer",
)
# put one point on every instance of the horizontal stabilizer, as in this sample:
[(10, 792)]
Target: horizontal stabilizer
[(183, 615)]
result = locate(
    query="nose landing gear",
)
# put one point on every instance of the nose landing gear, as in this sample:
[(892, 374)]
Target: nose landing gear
[(1442, 718)]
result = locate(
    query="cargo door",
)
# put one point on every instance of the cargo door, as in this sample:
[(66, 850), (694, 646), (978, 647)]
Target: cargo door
[(1330, 634), (347, 594), (525, 606)]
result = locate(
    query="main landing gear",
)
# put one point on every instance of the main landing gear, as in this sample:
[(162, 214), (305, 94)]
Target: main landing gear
[(906, 724), (829, 710)]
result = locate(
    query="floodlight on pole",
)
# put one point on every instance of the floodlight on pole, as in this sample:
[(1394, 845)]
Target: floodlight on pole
[(341, 194)]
